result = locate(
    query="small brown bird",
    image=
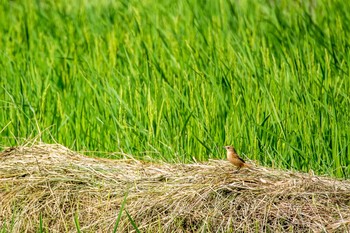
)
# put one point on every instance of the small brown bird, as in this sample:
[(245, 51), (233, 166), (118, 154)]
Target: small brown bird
[(234, 158)]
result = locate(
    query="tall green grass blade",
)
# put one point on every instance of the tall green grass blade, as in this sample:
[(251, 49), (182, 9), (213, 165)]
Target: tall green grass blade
[(132, 221), (41, 229), (120, 214), (76, 222)]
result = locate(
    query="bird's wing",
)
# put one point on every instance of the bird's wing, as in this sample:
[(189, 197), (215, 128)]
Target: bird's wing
[(241, 159)]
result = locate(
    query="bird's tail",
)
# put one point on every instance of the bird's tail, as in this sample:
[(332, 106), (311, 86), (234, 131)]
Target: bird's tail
[(249, 166)]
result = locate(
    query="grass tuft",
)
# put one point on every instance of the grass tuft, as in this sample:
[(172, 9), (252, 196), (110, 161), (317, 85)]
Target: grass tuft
[(51, 186)]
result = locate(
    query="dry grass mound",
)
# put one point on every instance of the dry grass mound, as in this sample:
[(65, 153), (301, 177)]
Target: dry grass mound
[(55, 186)]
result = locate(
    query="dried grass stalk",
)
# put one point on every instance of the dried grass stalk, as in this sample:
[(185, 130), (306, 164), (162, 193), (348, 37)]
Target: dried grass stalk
[(58, 184)]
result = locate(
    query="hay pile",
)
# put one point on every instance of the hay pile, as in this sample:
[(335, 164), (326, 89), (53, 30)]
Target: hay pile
[(59, 185)]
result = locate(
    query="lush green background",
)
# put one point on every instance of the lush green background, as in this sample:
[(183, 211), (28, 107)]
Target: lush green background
[(176, 80)]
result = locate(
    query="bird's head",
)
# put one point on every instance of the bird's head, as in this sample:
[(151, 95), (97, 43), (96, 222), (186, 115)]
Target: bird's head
[(230, 149)]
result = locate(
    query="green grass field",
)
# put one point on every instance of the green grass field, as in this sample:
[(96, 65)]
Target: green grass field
[(176, 80)]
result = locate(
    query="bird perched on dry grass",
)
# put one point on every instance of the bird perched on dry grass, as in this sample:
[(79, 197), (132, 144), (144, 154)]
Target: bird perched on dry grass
[(234, 158)]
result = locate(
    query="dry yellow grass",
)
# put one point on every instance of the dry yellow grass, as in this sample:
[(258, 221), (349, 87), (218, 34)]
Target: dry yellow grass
[(58, 184)]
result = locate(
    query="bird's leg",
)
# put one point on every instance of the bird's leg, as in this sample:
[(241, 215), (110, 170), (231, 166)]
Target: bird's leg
[(237, 170)]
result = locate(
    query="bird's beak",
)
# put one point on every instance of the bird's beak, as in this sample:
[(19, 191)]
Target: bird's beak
[(224, 147)]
